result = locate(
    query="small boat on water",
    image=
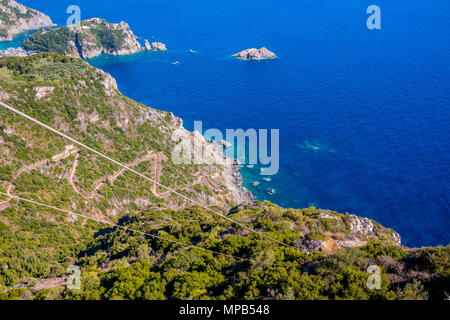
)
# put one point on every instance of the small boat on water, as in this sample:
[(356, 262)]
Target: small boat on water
[(255, 184), (267, 179), (176, 62), (250, 166), (271, 192)]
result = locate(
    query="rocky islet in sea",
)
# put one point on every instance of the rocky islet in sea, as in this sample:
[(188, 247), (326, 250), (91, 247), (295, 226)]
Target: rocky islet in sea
[(254, 54)]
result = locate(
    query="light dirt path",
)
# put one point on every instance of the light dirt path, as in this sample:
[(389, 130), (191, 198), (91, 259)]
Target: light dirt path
[(28, 168), (70, 150), (41, 285), (111, 178)]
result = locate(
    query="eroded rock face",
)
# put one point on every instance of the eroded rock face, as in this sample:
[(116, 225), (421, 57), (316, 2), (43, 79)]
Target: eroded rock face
[(109, 83), (88, 44), (366, 227), (15, 52), (255, 54), (88, 40), (155, 46), (43, 91), (147, 45), (363, 225), (16, 18)]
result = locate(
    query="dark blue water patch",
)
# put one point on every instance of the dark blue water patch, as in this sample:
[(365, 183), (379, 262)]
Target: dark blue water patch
[(379, 100)]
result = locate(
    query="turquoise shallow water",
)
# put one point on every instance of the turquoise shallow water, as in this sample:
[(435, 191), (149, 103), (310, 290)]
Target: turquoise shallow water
[(363, 115), (16, 43)]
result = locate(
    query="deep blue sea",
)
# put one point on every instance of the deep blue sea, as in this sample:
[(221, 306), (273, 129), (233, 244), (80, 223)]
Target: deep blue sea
[(373, 104)]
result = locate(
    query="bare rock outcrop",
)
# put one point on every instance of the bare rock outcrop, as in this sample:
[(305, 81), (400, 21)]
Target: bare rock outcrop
[(89, 46), (16, 18), (109, 82), (41, 92), (155, 46), (15, 52), (255, 54)]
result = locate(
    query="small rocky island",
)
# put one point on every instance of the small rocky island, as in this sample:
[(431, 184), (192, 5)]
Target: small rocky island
[(155, 46), (255, 54), (16, 18), (94, 37)]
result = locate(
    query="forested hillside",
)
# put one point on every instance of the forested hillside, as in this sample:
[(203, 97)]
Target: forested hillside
[(325, 254), (90, 39)]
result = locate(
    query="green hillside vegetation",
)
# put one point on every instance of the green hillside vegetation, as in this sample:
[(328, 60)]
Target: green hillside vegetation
[(123, 132), (53, 40), (66, 41), (120, 265), (37, 244)]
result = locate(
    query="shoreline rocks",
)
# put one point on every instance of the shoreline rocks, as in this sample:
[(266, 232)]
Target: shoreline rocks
[(255, 54), (15, 52), (235, 184), (155, 46)]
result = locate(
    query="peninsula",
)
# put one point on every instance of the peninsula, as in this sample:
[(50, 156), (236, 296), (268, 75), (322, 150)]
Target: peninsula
[(93, 37)]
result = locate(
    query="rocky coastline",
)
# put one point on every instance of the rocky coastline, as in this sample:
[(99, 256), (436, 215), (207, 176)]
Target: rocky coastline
[(15, 52), (17, 18), (86, 45), (92, 38), (236, 185), (226, 169)]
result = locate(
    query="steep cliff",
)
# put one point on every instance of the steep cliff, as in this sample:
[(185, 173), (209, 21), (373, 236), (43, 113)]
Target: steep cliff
[(16, 18)]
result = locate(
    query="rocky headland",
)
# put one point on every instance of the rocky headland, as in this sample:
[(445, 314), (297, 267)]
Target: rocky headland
[(92, 38), (255, 54), (16, 18)]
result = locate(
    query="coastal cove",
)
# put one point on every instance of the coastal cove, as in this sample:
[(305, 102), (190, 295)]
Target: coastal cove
[(365, 133), (16, 43)]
